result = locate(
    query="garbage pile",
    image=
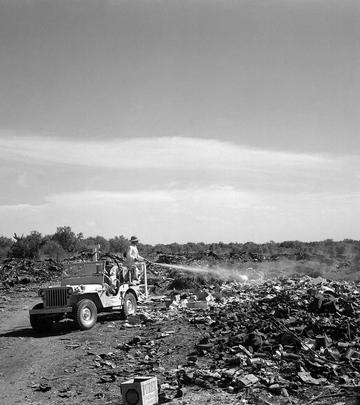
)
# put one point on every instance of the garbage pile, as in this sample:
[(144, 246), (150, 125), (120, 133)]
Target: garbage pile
[(25, 271), (279, 336), (282, 341)]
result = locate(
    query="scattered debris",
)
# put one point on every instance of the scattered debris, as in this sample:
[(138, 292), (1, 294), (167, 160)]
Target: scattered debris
[(262, 342), (26, 271)]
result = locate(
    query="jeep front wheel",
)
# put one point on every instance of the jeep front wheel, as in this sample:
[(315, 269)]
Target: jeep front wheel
[(129, 307), (40, 323), (86, 314)]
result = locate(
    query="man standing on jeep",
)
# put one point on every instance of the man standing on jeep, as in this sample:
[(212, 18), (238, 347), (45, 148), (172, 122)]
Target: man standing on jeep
[(135, 262)]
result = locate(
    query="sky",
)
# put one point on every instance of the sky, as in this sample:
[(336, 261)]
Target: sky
[(181, 120)]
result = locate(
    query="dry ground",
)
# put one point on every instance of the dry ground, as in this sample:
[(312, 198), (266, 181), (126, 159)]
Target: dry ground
[(67, 362), (68, 366)]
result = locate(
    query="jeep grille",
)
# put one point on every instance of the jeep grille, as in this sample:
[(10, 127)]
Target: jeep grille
[(55, 297)]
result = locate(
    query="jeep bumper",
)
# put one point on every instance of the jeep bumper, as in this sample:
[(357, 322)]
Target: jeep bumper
[(50, 310)]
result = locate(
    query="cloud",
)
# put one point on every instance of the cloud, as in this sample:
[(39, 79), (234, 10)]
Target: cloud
[(22, 180), (155, 211), (105, 198), (217, 196), (154, 153), (16, 207), (165, 163), (204, 214), (183, 189)]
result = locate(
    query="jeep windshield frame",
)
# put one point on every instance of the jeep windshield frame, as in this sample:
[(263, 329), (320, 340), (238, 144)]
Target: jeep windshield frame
[(83, 273)]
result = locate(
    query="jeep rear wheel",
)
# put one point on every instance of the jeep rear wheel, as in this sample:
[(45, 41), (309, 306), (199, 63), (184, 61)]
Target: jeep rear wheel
[(129, 307), (40, 323), (86, 314)]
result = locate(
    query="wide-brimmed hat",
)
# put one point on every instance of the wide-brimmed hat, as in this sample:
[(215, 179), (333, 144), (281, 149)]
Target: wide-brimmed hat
[(134, 239)]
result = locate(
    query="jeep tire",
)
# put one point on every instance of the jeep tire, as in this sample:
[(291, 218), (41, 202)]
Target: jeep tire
[(86, 314), (130, 305), (40, 323)]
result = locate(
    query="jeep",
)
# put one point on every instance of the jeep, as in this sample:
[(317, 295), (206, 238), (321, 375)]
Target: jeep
[(85, 291)]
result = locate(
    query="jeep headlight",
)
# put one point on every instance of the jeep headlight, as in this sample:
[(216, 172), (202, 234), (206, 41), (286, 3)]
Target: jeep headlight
[(41, 293), (69, 290)]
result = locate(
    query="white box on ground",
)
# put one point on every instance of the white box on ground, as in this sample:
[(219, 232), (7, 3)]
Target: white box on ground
[(140, 391)]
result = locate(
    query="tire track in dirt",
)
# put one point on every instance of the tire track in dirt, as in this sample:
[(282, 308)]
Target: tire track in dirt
[(24, 358)]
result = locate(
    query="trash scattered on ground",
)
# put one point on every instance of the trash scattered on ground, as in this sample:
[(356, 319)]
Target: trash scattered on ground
[(276, 341), (26, 271), (279, 336)]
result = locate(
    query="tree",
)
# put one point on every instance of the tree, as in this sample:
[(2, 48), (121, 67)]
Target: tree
[(52, 249), (119, 244), (27, 246), (97, 240), (66, 238), (161, 248), (5, 246)]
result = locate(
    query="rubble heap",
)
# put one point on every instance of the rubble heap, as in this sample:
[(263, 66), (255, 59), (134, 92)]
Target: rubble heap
[(279, 336), (25, 271)]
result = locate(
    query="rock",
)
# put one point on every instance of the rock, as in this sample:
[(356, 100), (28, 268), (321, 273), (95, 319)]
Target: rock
[(307, 379), (248, 380)]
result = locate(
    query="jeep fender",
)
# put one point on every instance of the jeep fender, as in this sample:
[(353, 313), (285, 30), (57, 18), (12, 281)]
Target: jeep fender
[(90, 296), (131, 290)]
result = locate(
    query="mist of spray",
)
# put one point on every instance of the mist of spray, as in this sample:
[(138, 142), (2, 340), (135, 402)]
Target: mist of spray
[(216, 272)]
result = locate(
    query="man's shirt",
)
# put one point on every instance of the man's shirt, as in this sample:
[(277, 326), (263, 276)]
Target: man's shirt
[(133, 253)]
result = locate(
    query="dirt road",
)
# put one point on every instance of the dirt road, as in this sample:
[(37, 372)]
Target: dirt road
[(24, 358), (72, 366)]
